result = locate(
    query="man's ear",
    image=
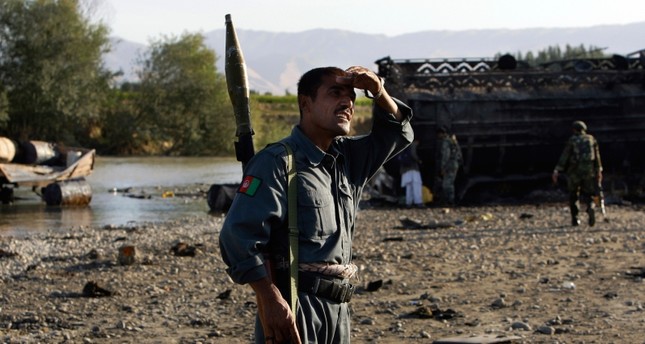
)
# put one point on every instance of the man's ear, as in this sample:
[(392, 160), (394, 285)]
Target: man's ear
[(304, 103)]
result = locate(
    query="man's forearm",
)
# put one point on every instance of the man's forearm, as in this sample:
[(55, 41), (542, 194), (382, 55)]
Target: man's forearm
[(265, 288), (388, 104), (278, 321)]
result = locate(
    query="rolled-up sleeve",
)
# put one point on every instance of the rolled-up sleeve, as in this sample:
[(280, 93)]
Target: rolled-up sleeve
[(388, 130), (406, 111), (388, 137), (251, 218)]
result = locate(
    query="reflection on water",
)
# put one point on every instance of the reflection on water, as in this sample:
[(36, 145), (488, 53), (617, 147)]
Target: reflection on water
[(35, 216), (30, 215)]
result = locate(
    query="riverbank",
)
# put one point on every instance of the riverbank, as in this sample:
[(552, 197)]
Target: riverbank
[(499, 270)]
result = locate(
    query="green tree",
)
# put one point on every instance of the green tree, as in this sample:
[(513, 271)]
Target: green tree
[(113, 133), (51, 68), (183, 104)]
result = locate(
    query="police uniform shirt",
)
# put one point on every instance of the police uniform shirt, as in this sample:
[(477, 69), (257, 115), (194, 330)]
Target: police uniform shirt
[(329, 190)]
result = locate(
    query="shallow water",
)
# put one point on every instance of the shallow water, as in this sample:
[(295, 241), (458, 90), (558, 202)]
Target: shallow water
[(154, 175)]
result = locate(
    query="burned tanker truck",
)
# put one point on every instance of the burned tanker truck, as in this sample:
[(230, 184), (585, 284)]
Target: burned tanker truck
[(512, 120)]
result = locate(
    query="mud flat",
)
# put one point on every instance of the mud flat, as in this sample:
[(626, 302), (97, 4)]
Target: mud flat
[(469, 271)]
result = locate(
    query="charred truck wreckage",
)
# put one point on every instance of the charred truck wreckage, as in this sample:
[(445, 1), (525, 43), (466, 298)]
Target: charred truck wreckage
[(512, 120)]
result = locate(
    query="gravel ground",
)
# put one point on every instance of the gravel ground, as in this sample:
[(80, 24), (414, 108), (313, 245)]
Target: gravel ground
[(516, 270)]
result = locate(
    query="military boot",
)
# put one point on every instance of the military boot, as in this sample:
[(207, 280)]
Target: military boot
[(592, 216), (573, 208)]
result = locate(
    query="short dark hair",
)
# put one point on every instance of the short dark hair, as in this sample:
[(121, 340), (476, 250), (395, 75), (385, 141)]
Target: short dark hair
[(311, 81)]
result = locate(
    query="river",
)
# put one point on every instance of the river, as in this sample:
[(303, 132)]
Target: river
[(152, 175)]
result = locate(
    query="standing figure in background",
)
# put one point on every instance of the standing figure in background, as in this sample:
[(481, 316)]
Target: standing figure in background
[(450, 159), (411, 176), (581, 161)]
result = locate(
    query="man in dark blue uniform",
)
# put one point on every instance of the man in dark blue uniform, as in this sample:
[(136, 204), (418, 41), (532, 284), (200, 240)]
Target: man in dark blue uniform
[(332, 170)]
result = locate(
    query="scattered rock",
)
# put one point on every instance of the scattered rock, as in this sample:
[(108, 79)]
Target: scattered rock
[(546, 330), (7, 254), (636, 272), (225, 295), (499, 303), (519, 325), (610, 295), (374, 286), (92, 289), (127, 255), (184, 250), (433, 312)]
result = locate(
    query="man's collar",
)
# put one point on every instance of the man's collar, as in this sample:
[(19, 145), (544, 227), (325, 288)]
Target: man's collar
[(314, 154)]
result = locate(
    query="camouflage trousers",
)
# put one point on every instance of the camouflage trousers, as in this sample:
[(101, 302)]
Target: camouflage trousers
[(581, 188), (448, 186)]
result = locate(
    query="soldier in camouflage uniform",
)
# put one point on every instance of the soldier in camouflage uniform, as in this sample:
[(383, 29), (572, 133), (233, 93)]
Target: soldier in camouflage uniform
[(450, 159), (581, 161)]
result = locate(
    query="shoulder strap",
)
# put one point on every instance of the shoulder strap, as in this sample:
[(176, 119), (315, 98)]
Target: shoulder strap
[(292, 187)]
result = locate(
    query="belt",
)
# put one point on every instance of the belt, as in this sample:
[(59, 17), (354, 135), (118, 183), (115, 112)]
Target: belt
[(329, 289)]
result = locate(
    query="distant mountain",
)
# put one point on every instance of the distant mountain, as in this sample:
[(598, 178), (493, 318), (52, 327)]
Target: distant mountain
[(275, 60)]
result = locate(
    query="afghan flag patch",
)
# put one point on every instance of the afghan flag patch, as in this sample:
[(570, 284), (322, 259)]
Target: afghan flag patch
[(250, 185)]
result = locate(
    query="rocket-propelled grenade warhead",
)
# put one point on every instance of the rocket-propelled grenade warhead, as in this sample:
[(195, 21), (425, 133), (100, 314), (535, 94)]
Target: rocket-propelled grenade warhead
[(236, 80), (238, 91)]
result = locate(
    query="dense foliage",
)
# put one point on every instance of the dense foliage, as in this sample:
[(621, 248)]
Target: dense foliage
[(183, 102), (52, 83)]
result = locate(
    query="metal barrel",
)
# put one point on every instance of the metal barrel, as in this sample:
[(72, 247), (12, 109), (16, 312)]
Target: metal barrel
[(36, 153), (74, 192), (7, 150)]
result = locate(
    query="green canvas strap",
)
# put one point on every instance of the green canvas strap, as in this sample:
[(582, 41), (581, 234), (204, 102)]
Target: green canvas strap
[(293, 226)]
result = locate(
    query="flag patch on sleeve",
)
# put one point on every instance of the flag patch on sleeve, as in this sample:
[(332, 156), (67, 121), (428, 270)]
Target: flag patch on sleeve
[(250, 185)]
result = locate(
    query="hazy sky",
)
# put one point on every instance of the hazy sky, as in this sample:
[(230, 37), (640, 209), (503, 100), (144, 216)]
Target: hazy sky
[(142, 20)]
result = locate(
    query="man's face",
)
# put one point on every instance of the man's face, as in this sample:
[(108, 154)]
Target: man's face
[(332, 111)]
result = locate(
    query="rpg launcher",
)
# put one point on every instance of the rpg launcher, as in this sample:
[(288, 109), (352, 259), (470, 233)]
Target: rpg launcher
[(238, 91), (220, 196)]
